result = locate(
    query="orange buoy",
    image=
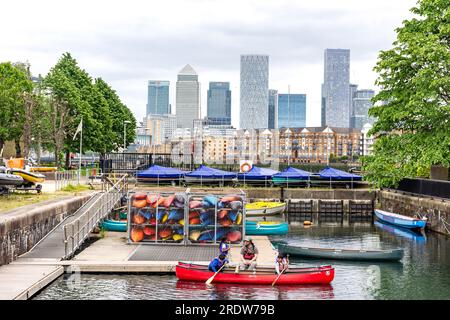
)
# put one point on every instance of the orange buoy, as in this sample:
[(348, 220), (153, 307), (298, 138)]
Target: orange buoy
[(138, 219), (307, 223), (137, 235), (139, 203)]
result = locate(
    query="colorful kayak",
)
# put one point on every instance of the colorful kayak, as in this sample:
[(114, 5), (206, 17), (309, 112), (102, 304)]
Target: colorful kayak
[(264, 208), (113, 225), (342, 254), (400, 220), (266, 228), (263, 276)]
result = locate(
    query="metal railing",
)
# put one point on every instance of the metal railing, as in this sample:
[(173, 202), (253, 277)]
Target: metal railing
[(76, 232)]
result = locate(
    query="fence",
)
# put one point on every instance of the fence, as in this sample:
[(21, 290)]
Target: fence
[(64, 178), (78, 230), (432, 188)]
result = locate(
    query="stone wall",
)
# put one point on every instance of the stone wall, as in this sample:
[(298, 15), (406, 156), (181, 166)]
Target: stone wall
[(301, 193), (22, 228), (437, 211)]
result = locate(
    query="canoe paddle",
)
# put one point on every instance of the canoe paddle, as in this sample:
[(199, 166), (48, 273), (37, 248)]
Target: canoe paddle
[(212, 277), (273, 283)]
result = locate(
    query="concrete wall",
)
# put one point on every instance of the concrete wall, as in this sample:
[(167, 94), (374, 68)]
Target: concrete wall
[(22, 228), (300, 193), (437, 211)]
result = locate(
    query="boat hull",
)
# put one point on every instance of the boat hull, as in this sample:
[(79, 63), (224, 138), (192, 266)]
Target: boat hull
[(315, 275), (262, 228), (10, 179), (342, 254), (265, 210), (29, 176), (400, 221), (112, 225)]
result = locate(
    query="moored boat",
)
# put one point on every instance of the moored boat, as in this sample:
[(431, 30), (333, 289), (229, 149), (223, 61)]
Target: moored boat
[(7, 179), (400, 220), (31, 177), (342, 254), (264, 208), (262, 276), (253, 228)]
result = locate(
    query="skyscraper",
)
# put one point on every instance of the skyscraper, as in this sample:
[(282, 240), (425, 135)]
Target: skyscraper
[(219, 103), (254, 95), (158, 97), (291, 110), (361, 104), (273, 109), (336, 88), (188, 97)]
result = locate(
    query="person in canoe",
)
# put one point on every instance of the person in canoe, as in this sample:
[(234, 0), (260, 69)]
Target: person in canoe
[(218, 263), (281, 263), (249, 254), (224, 246)]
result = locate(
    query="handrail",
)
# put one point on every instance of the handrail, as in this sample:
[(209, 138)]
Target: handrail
[(77, 231)]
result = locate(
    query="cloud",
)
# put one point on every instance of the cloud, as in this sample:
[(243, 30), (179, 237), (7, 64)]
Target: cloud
[(128, 43)]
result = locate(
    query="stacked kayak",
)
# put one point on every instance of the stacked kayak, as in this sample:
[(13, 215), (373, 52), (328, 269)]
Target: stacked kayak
[(341, 254), (266, 228), (264, 208), (263, 276)]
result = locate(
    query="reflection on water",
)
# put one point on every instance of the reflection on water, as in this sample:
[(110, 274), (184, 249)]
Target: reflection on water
[(423, 273)]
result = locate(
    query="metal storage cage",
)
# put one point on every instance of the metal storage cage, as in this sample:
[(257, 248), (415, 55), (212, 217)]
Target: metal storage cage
[(156, 217)]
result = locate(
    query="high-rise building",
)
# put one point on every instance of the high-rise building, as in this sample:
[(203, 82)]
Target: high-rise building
[(219, 103), (188, 97), (362, 102), (273, 109), (336, 88), (158, 97), (254, 95), (160, 127), (291, 110)]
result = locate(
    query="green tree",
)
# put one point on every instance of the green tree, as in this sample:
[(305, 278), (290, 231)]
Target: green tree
[(412, 108), (14, 85)]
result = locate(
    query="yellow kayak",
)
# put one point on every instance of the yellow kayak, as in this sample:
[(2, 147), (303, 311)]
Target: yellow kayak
[(29, 176), (264, 208), (43, 169)]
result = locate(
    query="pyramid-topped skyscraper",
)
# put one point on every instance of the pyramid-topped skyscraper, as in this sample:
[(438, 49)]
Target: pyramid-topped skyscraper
[(188, 97)]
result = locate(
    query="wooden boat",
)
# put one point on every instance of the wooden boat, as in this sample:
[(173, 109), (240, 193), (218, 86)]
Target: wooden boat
[(113, 225), (263, 276), (264, 208), (342, 254), (31, 177), (265, 228), (400, 220)]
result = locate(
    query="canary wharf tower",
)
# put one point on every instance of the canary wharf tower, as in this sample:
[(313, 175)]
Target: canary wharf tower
[(254, 96)]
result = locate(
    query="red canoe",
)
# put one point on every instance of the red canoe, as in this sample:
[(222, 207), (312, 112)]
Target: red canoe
[(312, 275)]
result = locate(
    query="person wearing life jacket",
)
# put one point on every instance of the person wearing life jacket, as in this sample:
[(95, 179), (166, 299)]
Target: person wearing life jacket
[(224, 246), (281, 263), (249, 254), (217, 263)]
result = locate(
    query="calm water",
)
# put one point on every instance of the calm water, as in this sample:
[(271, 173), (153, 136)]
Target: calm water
[(423, 273)]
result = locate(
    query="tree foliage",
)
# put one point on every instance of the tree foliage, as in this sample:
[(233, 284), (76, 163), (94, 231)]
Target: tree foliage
[(413, 105)]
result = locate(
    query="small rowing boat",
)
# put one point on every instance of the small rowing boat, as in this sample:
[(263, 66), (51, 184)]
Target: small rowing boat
[(342, 254), (262, 276), (114, 225), (265, 228), (400, 220), (264, 208)]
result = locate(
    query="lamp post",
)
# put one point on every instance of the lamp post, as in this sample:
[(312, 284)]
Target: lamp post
[(125, 133)]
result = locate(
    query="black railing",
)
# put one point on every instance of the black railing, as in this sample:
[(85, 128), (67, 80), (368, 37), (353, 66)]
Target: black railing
[(432, 188)]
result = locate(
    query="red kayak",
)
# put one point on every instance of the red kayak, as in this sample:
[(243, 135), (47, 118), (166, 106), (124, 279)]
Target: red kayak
[(312, 275)]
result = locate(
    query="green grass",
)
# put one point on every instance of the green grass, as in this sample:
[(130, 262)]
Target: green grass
[(18, 199), (75, 188)]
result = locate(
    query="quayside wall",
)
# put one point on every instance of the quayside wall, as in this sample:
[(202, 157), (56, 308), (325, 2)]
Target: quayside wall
[(22, 228)]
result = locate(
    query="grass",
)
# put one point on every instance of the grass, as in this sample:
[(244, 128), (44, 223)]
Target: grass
[(17, 199)]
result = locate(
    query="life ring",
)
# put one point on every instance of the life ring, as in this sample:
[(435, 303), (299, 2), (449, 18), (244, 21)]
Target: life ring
[(246, 167)]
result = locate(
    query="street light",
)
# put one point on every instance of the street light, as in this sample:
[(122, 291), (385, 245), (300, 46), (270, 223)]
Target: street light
[(125, 133)]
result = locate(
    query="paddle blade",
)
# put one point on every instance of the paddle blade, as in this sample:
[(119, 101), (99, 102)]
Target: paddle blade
[(210, 279)]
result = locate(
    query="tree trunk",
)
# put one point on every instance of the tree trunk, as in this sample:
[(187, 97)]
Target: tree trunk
[(38, 149), (18, 148), (67, 160), (2, 143)]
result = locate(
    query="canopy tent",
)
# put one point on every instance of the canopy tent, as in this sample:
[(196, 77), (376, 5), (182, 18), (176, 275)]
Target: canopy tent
[(335, 174), (158, 174), (206, 174), (257, 175), (291, 175)]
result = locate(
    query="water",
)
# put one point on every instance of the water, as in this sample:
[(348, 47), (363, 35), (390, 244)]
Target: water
[(423, 273)]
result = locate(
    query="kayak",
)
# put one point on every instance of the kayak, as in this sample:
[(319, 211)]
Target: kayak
[(262, 228), (263, 276), (400, 220), (342, 254), (43, 169), (113, 225), (264, 208), (32, 177)]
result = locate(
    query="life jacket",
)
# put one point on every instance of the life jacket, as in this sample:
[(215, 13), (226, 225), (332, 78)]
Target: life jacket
[(249, 254)]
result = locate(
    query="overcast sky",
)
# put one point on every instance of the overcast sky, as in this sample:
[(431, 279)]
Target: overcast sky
[(130, 42)]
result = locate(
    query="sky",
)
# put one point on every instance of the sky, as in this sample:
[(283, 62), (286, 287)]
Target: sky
[(130, 42)]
